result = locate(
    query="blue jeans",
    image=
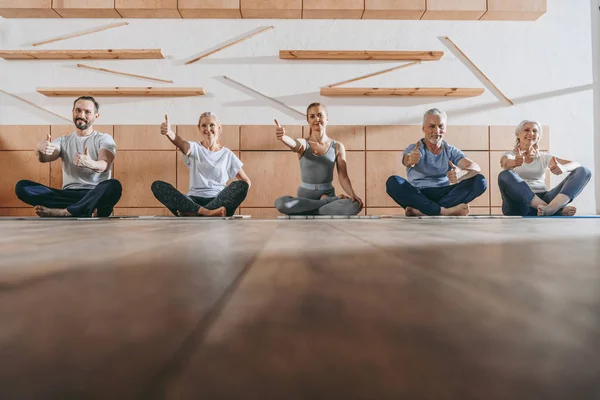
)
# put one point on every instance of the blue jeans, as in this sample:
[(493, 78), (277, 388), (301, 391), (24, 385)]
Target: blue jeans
[(78, 202), (430, 200), (517, 195)]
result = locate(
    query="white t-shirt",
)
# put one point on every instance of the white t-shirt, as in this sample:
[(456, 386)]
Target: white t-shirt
[(210, 170), (533, 174), (75, 177)]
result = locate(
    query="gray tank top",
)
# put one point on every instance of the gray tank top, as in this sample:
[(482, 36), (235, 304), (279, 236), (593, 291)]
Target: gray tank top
[(317, 169)]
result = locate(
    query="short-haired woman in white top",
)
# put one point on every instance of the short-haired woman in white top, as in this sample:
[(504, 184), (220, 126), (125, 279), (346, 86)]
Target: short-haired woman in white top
[(522, 182), (211, 166)]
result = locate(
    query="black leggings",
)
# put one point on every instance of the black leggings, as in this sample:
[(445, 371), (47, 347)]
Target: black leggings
[(231, 197)]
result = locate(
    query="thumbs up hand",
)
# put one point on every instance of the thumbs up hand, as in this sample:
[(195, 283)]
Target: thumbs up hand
[(165, 128), (451, 174), (415, 155), (279, 130), (555, 167), (84, 160), (518, 157), (46, 146)]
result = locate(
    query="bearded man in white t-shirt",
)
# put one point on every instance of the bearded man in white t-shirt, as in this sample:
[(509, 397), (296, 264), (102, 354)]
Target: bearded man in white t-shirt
[(87, 157)]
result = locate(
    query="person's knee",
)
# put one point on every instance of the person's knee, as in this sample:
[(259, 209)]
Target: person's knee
[(279, 203), (115, 186), (156, 186), (505, 176), (480, 182), (584, 172), (20, 187), (241, 185), (392, 183)]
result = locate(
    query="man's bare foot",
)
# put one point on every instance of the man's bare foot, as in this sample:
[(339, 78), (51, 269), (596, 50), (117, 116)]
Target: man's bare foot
[(51, 212), (95, 213), (219, 212), (569, 211), (459, 210), (413, 212)]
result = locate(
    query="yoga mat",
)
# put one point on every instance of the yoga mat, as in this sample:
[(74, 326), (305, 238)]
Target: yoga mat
[(329, 217)]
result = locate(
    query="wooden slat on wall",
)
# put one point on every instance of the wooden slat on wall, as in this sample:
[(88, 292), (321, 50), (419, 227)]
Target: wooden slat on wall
[(394, 9), (230, 136), (333, 9), (283, 9), (399, 137), (356, 172), (147, 8), (136, 170), (515, 10), (483, 159), (27, 9), (85, 8), (455, 9), (209, 8)]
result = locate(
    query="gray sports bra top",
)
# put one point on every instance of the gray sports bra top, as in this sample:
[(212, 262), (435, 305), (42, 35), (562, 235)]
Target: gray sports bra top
[(317, 169)]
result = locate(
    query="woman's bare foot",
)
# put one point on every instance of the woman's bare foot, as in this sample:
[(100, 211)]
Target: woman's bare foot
[(569, 211), (219, 212), (51, 212), (343, 196), (413, 212), (459, 210)]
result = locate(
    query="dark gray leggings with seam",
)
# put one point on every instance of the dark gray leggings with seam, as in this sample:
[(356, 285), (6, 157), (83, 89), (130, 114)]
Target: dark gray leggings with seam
[(309, 202)]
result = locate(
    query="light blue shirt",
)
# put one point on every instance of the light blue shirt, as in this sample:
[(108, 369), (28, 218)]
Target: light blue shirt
[(431, 170)]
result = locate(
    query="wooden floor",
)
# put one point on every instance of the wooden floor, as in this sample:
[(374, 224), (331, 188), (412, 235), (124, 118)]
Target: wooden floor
[(315, 309)]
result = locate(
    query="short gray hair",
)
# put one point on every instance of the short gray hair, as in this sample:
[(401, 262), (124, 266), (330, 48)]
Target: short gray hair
[(520, 127), (434, 111), (208, 114)]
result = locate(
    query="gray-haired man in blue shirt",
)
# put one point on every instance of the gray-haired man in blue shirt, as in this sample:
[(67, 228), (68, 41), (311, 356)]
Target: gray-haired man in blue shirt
[(441, 180)]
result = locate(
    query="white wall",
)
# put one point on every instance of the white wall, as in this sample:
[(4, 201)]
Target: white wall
[(544, 66)]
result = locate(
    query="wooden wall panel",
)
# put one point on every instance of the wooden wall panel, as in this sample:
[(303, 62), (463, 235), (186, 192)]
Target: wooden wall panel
[(480, 210), (183, 174), (352, 136), (281, 9), (17, 165), (483, 159), (455, 9), (17, 212), (136, 170), (85, 8), (147, 8), (392, 137), (262, 137), (230, 136), (273, 174), (333, 9), (394, 9), (209, 8), (138, 211), (266, 212), (380, 166), (356, 172), (141, 137), (27, 9), (468, 137), (496, 210), (503, 138), (385, 211), (22, 137), (515, 10)]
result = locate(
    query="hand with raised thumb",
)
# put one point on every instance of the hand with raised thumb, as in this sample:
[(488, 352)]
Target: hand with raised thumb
[(415, 155), (555, 167), (165, 127), (279, 130), (451, 174), (83, 159), (46, 147)]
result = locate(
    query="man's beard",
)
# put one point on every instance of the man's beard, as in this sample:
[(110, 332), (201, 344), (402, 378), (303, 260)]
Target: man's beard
[(81, 124)]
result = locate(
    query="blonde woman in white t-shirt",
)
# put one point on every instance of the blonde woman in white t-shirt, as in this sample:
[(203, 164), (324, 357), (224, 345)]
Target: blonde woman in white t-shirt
[(522, 182), (211, 165)]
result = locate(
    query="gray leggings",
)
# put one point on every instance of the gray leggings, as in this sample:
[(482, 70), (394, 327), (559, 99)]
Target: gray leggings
[(309, 202)]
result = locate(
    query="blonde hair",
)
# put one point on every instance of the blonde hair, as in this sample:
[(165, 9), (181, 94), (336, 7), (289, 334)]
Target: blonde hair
[(209, 114), (520, 127)]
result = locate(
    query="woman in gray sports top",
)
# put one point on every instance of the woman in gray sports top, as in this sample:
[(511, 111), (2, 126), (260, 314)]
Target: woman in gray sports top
[(318, 155)]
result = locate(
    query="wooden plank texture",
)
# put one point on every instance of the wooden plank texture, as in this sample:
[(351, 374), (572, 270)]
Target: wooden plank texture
[(387, 92), (109, 54), (121, 92), (359, 55)]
